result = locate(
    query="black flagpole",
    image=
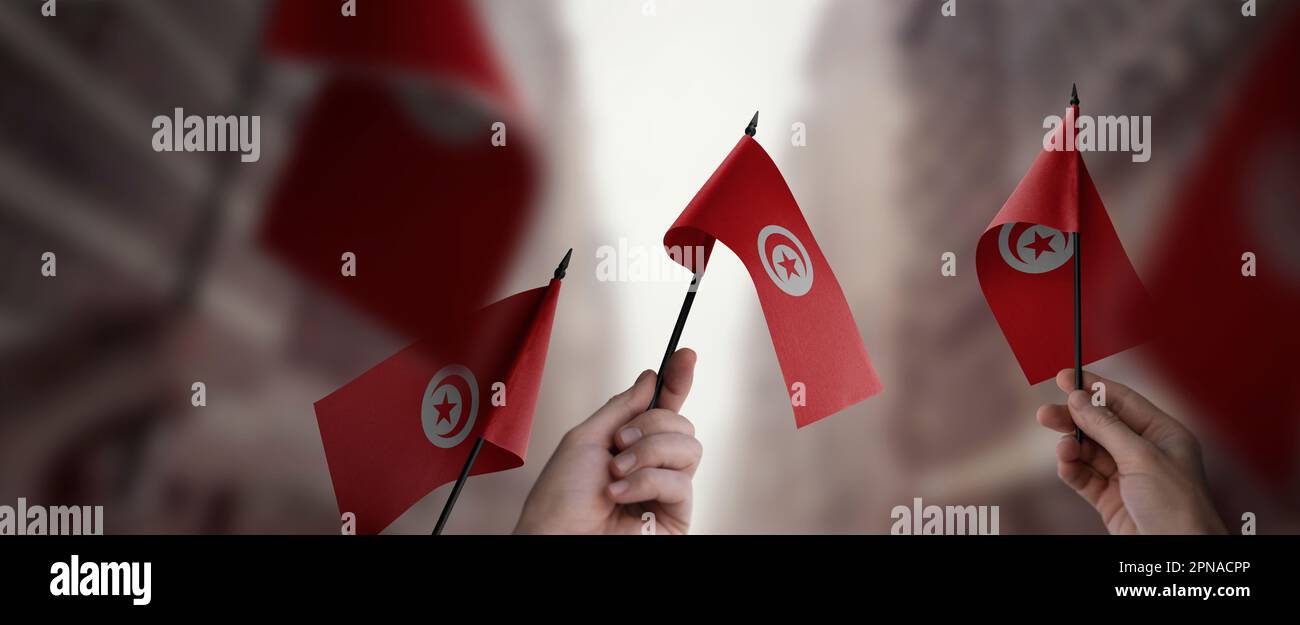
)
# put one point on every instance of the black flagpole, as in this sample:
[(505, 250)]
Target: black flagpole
[(455, 490), (750, 130), (1078, 297), (478, 442)]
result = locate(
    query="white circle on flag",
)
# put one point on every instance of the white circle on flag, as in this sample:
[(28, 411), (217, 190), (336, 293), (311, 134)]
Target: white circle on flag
[(1033, 248), (449, 406), (786, 260)]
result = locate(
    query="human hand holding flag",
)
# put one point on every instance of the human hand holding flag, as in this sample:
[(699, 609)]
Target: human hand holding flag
[(1139, 468), (623, 462)]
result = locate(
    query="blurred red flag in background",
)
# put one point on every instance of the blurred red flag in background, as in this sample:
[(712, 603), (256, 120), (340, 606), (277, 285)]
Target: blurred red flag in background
[(406, 426), (441, 40), (1024, 264), (395, 162), (1229, 341), (747, 205)]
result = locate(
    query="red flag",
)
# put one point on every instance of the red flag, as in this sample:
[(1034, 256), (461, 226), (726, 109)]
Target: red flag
[(399, 167), (406, 426), (747, 205), (1024, 264), (441, 39), (1227, 340), (431, 222)]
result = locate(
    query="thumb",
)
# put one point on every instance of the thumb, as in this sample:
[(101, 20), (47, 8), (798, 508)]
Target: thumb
[(1107, 429), (678, 376), (620, 409)]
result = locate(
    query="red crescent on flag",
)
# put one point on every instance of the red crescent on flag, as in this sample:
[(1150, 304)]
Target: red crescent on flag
[(775, 239), (468, 409), (1013, 241)]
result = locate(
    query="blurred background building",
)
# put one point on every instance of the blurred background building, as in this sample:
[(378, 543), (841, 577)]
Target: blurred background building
[(918, 127)]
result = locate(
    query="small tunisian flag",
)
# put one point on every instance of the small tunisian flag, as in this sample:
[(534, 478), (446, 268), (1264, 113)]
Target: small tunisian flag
[(406, 426), (399, 162), (1228, 340), (747, 205), (1024, 265)]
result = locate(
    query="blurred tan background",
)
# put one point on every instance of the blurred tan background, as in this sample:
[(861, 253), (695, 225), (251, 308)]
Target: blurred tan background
[(918, 127)]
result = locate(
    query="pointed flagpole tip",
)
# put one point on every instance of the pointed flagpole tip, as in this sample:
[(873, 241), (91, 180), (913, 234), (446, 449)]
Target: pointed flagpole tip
[(1074, 95), (564, 265), (752, 128)]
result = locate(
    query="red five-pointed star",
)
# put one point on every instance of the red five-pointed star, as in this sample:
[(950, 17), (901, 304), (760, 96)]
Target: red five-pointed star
[(1041, 245), (444, 411), (788, 263)]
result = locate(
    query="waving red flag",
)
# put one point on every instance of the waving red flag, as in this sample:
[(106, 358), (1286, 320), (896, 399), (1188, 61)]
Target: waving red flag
[(747, 205), (1228, 340), (441, 39), (432, 221), (406, 426), (395, 161), (1023, 261)]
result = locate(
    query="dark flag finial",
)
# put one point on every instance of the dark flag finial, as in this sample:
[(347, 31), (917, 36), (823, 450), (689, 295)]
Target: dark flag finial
[(752, 128), (1074, 94), (564, 265)]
